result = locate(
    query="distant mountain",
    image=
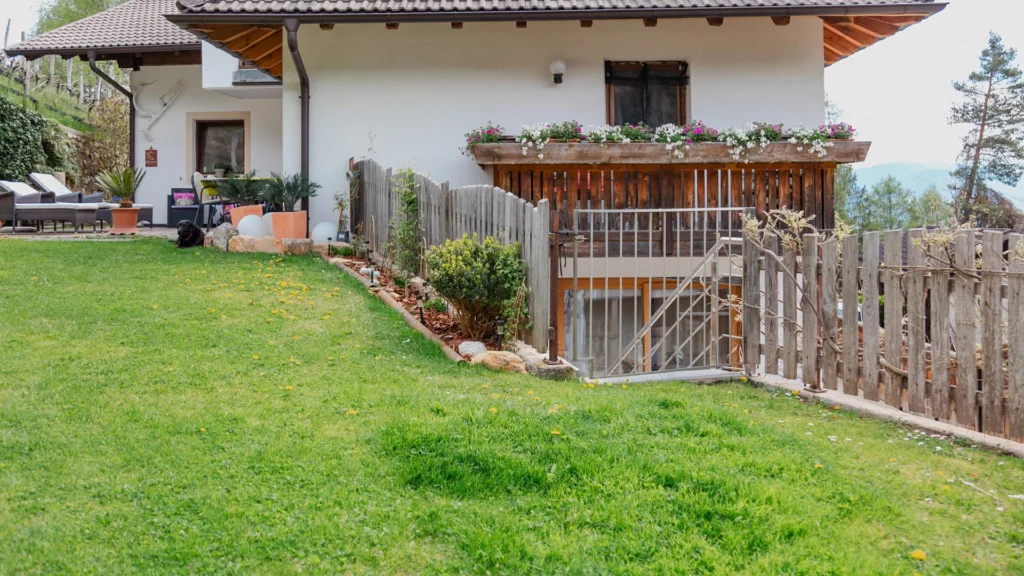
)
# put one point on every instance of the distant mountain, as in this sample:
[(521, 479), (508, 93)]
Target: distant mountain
[(918, 177)]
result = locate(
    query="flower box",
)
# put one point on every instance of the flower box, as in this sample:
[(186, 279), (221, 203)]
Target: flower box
[(841, 152)]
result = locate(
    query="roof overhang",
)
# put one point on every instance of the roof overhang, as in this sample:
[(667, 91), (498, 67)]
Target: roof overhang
[(846, 29), (185, 20), (126, 56)]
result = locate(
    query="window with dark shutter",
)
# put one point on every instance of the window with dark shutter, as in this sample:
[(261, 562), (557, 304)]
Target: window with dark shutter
[(650, 92)]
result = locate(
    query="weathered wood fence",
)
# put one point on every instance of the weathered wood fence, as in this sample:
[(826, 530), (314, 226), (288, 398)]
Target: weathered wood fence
[(944, 341), (445, 214)]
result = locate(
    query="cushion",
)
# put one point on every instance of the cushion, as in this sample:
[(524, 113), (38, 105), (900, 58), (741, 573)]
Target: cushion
[(19, 188), (184, 198), (49, 183), (58, 206)]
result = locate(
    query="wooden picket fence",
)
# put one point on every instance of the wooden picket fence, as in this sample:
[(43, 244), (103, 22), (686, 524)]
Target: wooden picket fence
[(448, 214), (946, 341)]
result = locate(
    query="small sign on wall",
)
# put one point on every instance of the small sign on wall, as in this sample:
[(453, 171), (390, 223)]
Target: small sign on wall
[(151, 158)]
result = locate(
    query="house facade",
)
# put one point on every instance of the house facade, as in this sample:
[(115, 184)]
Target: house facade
[(216, 80)]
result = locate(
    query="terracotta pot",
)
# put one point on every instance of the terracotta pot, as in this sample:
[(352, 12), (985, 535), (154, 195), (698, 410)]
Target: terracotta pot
[(289, 224), (239, 212), (125, 220)]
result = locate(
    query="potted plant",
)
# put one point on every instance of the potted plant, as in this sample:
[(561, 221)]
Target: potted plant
[(282, 193), (246, 191), (123, 184), (221, 168)]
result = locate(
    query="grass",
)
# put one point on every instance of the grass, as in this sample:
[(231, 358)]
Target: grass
[(188, 411), (58, 107)]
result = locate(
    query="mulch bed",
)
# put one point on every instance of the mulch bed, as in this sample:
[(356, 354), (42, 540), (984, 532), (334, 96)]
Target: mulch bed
[(441, 323)]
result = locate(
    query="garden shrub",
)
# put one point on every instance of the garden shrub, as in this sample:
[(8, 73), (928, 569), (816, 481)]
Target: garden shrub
[(479, 280), (406, 235), (29, 142)]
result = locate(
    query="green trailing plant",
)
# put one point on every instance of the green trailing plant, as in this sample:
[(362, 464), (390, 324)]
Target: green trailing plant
[(436, 305), (406, 235), (225, 166), (244, 189), (122, 184), (284, 191), (30, 143), (478, 279)]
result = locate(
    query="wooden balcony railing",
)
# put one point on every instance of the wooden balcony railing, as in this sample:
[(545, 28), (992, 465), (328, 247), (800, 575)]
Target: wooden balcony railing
[(572, 176)]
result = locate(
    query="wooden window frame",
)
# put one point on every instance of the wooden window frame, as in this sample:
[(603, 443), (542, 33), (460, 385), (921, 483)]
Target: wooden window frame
[(682, 100), (192, 120)]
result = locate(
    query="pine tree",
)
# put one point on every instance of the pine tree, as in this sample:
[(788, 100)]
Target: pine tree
[(930, 209), (889, 205), (993, 149)]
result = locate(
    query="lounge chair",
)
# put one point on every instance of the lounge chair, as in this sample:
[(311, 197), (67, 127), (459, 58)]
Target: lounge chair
[(207, 195), (62, 194), (19, 202)]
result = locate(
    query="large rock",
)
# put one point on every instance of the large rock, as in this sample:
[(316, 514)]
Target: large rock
[(297, 246), (416, 285), (537, 365), (222, 235), (270, 245), (495, 360), (241, 243), (322, 249), (471, 348), (207, 241)]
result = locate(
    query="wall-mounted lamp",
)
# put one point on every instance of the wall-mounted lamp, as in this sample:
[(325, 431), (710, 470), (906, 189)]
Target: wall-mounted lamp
[(557, 70)]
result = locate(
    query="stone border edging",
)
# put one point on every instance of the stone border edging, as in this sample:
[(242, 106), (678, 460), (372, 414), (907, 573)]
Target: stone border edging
[(890, 414), (409, 318)]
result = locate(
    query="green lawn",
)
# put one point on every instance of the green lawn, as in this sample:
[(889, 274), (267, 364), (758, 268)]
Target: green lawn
[(189, 411)]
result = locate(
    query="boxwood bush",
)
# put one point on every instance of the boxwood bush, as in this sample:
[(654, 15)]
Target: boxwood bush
[(479, 279)]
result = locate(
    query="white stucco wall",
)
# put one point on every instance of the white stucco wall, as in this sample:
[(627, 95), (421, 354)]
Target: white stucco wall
[(169, 133), (420, 88), (218, 67)]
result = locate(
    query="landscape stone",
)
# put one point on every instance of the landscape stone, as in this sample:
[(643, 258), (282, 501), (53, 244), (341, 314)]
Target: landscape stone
[(270, 245), (296, 246), (471, 348), (416, 285), (536, 364), (222, 234), (321, 249), (495, 360), (207, 241), (241, 243)]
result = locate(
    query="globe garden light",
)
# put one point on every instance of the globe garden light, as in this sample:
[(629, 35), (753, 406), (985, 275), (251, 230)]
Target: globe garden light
[(557, 70)]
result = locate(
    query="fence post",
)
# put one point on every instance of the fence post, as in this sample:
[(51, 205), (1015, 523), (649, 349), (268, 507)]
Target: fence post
[(771, 306), (851, 333), (916, 395), (1015, 339), (869, 281), (964, 313), (751, 307), (809, 268), (940, 336), (830, 312), (789, 324), (893, 316), (542, 287), (992, 332)]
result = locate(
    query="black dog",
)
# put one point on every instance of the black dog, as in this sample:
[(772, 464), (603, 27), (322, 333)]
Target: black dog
[(189, 235)]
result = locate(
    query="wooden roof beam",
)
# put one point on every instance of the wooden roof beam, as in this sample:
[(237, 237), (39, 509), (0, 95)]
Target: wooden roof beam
[(240, 44), (716, 21), (586, 23), (781, 20), (854, 37), (225, 33), (456, 25), (900, 21), (650, 22), (326, 26), (262, 48), (840, 43)]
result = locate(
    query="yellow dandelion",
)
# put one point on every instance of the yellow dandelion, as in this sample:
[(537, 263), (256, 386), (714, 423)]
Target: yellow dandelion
[(330, 358), (624, 386), (289, 387), (295, 337), (892, 459), (743, 378), (795, 392), (376, 357), (202, 429), (255, 356), (495, 396), (818, 466), (529, 392), (171, 369), (945, 487), (918, 555), (556, 432), (291, 359), (493, 410), (155, 306), (351, 412), (223, 317), (485, 386)]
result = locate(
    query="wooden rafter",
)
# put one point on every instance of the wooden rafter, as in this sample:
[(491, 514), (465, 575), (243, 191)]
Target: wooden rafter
[(261, 45), (845, 35)]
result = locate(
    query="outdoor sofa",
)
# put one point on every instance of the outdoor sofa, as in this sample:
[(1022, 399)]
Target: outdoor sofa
[(20, 202), (61, 193)]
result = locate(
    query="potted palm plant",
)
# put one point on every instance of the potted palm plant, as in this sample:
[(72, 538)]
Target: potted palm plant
[(122, 185), (283, 192), (221, 168), (246, 191)]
